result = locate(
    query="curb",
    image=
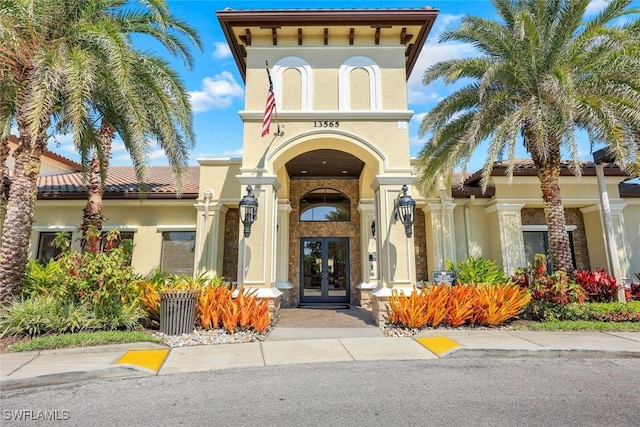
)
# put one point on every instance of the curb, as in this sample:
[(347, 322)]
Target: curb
[(463, 352), (116, 372)]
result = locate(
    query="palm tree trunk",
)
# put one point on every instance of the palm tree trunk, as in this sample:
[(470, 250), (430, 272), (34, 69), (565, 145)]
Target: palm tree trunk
[(549, 176), (18, 221), (5, 182), (93, 218)]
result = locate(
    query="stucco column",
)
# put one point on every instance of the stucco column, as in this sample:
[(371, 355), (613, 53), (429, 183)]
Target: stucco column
[(505, 220), (209, 236), (282, 244), (440, 218), (257, 253), (396, 252), (617, 219), (369, 255), (611, 229)]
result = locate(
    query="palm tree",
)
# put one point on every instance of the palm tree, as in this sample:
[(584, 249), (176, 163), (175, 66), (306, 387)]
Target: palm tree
[(51, 56), (164, 104), (543, 72)]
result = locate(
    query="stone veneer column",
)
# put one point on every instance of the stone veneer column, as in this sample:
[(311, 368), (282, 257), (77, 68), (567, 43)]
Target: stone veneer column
[(209, 238), (369, 254), (509, 229), (257, 253), (396, 252)]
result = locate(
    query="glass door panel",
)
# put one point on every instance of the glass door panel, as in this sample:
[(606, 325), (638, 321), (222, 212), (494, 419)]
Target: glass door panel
[(324, 273)]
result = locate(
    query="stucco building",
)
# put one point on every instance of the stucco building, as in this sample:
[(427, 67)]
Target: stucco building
[(328, 175)]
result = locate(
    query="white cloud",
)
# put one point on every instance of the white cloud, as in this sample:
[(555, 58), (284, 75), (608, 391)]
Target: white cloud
[(417, 118), (595, 7), (117, 146), (444, 22), (431, 54), (217, 92), (221, 51), (223, 154), (157, 154)]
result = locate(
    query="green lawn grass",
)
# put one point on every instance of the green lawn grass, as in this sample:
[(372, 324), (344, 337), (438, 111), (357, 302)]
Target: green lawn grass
[(82, 339), (580, 325)]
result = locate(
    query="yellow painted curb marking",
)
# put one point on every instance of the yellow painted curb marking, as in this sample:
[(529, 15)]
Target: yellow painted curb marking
[(150, 359), (438, 345)]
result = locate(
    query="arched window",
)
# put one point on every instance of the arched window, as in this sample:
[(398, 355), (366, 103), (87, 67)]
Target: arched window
[(303, 80), (325, 204), (366, 78)]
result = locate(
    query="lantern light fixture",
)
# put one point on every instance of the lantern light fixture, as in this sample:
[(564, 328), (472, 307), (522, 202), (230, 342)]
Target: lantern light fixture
[(404, 209), (248, 210)]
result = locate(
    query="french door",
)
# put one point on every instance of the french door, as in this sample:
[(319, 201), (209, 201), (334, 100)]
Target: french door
[(324, 270)]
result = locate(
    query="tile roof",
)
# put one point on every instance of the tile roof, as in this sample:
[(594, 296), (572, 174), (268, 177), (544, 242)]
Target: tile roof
[(525, 167), (54, 156), (122, 184)]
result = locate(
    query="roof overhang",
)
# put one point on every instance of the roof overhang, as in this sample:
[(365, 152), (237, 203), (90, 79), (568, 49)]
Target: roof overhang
[(330, 27)]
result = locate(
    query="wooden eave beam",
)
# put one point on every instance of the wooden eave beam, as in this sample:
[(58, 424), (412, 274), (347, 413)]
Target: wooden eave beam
[(326, 36), (352, 34), (235, 20), (299, 36), (246, 37)]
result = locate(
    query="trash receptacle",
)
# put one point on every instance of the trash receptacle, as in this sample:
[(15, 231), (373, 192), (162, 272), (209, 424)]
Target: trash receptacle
[(178, 311)]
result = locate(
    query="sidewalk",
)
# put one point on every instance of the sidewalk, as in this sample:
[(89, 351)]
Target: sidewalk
[(303, 345)]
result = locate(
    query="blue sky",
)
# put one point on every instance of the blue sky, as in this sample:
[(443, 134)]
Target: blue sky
[(217, 90)]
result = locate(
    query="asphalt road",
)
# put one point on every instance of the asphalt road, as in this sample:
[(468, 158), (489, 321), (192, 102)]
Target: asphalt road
[(445, 392)]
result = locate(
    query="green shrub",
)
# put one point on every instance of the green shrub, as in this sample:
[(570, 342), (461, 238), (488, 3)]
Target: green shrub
[(550, 293), (603, 312), (44, 279), (44, 314), (479, 270), (102, 287), (127, 317)]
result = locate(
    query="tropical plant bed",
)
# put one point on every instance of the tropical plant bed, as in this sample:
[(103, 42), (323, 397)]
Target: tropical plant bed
[(391, 330), (210, 337)]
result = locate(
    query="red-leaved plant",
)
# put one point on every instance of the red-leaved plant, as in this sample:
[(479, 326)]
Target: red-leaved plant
[(632, 293), (598, 285)]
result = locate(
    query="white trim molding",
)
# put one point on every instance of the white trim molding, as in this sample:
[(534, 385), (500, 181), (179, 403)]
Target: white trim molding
[(306, 75), (375, 82), (182, 227)]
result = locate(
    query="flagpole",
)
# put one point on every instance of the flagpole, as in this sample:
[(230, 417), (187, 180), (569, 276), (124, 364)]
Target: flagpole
[(275, 106)]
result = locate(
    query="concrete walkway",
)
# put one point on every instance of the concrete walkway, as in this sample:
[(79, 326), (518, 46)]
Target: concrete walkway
[(291, 343)]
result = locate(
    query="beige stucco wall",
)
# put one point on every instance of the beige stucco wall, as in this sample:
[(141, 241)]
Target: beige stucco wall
[(632, 237), (579, 194), (219, 176), (147, 218)]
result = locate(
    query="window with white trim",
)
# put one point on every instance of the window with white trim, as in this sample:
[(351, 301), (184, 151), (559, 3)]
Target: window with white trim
[(178, 252), (47, 248), (536, 241), (106, 245)]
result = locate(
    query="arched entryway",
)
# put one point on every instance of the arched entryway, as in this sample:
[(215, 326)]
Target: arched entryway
[(324, 227)]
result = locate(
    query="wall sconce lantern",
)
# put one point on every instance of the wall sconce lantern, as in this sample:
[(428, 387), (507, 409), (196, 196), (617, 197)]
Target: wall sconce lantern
[(248, 210), (404, 209), (373, 229)]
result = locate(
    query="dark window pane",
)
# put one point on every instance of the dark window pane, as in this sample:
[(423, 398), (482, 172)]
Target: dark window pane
[(178, 249), (537, 242), (106, 245), (47, 247)]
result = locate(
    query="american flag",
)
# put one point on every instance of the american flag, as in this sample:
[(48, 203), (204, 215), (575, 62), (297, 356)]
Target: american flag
[(270, 107)]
